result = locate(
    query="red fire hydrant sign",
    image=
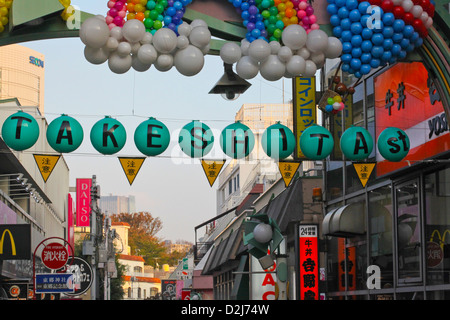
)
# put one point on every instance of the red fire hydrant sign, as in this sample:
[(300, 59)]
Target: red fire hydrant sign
[(54, 256)]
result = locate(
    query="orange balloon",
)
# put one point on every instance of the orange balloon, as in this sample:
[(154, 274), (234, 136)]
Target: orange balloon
[(276, 2), (136, 1), (131, 16), (289, 12), (140, 16), (130, 7), (289, 4), (285, 21)]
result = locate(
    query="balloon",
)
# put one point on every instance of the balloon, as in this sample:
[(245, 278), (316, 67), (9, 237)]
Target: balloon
[(20, 131), (147, 54), (164, 40), (152, 137), (108, 136), (393, 144), (200, 36), (65, 134), (284, 54), (310, 68), (189, 61), (272, 68), (96, 55), (316, 142), (230, 52), (247, 68), (118, 64), (334, 48), (294, 36), (278, 141), (259, 50), (296, 65), (317, 41), (237, 140), (94, 32), (356, 143), (137, 65), (133, 30), (196, 139), (164, 62)]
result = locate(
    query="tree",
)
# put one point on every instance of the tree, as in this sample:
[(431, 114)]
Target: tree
[(140, 223)]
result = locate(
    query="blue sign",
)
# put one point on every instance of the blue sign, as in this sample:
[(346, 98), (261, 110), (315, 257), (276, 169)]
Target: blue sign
[(37, 62), (54, 283)]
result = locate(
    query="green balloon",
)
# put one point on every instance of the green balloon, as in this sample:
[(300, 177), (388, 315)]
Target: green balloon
[(65, 134), (278, 141), (237, 140), (196, 139), (393, 144), (152, 137), (356, 143), (316, 142), (20, 131), (108, 136)]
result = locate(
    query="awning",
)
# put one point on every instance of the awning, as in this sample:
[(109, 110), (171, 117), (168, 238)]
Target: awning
[(346, 221)]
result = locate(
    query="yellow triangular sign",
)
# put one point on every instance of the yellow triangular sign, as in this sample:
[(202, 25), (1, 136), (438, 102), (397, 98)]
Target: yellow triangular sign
[(46, 163), (131, 167), (364, 170), (288, 170), (212, 169)]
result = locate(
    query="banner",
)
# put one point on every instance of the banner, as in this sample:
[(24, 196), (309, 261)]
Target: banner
[(309, 262), (83, 189)]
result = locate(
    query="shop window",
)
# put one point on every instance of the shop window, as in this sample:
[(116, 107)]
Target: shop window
[(380, 227), (437, 226), (332, 269), (408, 232)]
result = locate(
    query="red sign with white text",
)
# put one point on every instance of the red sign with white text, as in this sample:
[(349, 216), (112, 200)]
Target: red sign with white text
[(405, 98), (54, 256), (83, 202), (309, 262)]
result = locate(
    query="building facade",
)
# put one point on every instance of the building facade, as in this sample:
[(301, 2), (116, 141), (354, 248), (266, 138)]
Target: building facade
[(117, 204)]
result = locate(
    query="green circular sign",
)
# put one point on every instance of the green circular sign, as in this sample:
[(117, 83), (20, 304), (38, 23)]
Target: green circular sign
[(278, 141), (20, 131), (393, 144), (356, 143), (237, 140), (316, 142), (196, 139), (108, 136), (65, 134), (152, 137)]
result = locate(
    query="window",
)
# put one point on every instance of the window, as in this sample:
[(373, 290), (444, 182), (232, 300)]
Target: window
[(230, 187)]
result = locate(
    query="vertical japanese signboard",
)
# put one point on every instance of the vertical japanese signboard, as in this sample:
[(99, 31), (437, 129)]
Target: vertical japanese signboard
[(309, 262), (83, 202), (346, 266), (305, 111), (406, 98)]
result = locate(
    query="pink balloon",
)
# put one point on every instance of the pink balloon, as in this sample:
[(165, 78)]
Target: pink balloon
[(122, 14), (315, 26), (302, 5), (301, 14), (118, 21), (113, 12), (312, 19), (109, 19), (111, 4), (111, 25)]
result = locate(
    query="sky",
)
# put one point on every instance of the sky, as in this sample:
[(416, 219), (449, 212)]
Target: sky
[(171, 186)]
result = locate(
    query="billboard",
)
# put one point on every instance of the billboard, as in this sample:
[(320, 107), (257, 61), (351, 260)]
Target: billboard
[(15, 242), (406, 98), (309, 262), (83, 200)]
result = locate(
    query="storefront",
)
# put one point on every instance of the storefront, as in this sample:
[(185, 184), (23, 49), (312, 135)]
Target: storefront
[(388, 240)]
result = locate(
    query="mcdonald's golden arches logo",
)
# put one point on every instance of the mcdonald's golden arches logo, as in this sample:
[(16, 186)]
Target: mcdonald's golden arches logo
[(11, 239), (15, 241)]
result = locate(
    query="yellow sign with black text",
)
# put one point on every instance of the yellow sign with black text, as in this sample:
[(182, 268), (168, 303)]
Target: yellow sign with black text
[(304, 107), (212, 169), (364, 170), (131, 167), (288, 170), (46, 163)]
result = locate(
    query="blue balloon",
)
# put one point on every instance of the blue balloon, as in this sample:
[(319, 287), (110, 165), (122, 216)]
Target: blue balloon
[(346, 47), (245, 6), (237, 3), (354, 15), (337, 31), (398, 25), (328, 108), (366, 46), (378, 26), (404, 43), (408, 31), (365, 69), (397, 37), (345, 67), (351, 4), (366, 58), (366, 34), (346, 58), (245, 14), (396, 50), (377, 39), (343, 13), (335, 20), (346, 36), (375, 63), (256, 33), (332, 9), (377, 51), (356, 41), (387, 44), (387, 55), (355, 64), (410, 47), (388, 18), (388, 32), (356, 52), (362, 7), (358, 74), (346, 24), (418, 42), (356, 28), (364, 19), (340, 3), (402, 54), (414, 37)]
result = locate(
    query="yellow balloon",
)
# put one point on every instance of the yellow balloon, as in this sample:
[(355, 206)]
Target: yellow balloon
[(337, 98)]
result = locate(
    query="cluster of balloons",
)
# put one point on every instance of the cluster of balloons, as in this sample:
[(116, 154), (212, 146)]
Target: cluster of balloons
[(299, 54), (5, 5), (334, 104), (377, 32), (266, 19), (115, 17), (20, 131), (131, 46)]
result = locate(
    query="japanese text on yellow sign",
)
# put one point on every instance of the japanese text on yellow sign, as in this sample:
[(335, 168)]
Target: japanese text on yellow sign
[(131, 167), (288, 170), (212, 169), (46, 164), (305, 111)]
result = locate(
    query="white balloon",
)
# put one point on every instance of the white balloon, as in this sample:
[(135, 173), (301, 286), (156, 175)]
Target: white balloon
[(429, 22), (397, 2), (304, 53), (230, 52), (274, 47), (189, 61), (296, 65), (164, 40), (112, 44), (317, 41), (259, 50), (247, 68), (94, 32), (336, 105), (124, 49), (184, 29), (135, 47), (424, 17), (416, 11), (284, 54), (118, 64), (318, 59), (310, 69), (182, 42), (133, 30), (116, 32), (205, 49), (272, 68), (164, 62), (334, 48), (96, 55), (407, 5), (198, 23), (200, 36), (137, 65), (147, 38), (294, 36), (147, 54), (245, 44)]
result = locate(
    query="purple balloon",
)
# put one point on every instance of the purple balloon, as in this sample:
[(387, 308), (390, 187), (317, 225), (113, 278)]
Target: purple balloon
[(253, 10), (250, 26)]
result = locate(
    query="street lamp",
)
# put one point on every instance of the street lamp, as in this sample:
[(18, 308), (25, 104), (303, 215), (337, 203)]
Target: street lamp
[(230, 85)]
